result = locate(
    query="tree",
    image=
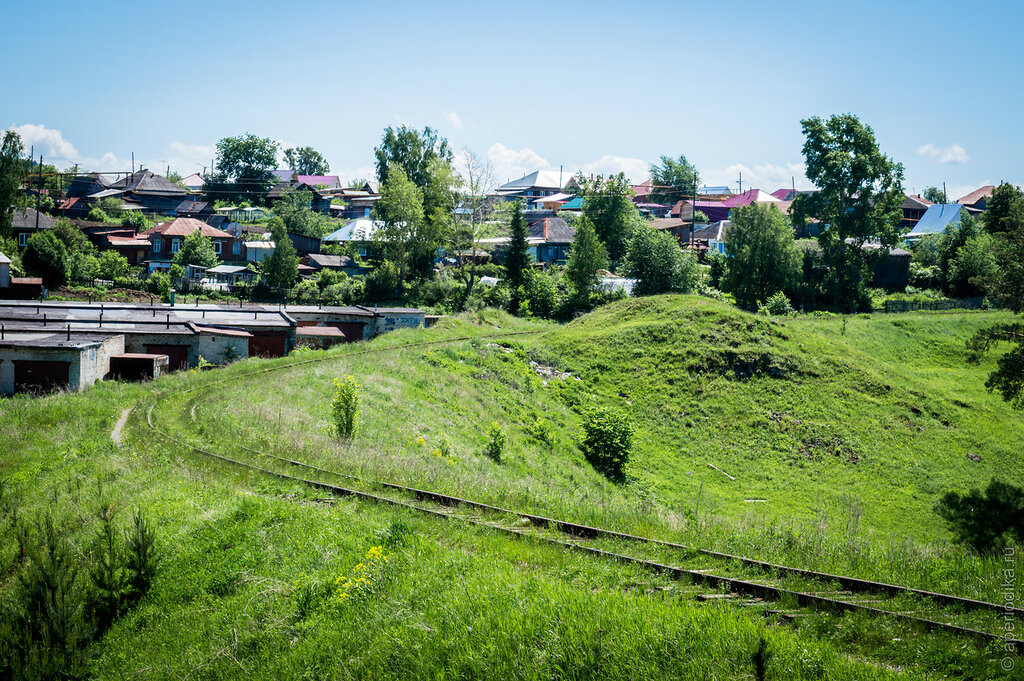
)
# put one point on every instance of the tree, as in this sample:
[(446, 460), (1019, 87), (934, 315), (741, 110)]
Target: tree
[(859, 198), (672, 179), (587, 255), (1007, 288), (761, 255), (46, 256), (659, 265), (517, 260), (412, 151), (112, 265), (400, 208), (306, 161), (608, 203), (1003, 210), (295, 210), (244, 170), (935, 195), (196, 249), (966, 258), (281, 268), (11, 196), (477, 179)]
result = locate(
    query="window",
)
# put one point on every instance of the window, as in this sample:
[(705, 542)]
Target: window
[(175, 245), (22, 239), (157, 242), (236, 248), (216, 247)]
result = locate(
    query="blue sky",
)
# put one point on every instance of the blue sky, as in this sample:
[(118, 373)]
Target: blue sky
[(594, 86)]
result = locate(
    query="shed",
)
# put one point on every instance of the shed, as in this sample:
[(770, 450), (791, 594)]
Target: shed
[(138, 366)]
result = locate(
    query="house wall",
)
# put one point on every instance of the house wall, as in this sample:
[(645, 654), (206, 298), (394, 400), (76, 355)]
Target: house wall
[(5, 274), (389, 321), (223, 349)]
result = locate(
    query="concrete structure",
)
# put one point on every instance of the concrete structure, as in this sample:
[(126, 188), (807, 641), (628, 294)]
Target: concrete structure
[(40, 361)]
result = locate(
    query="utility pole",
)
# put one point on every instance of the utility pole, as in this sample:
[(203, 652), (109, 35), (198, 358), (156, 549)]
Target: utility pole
[(39, 189), (945, 199), (741, 182), (133, 163)]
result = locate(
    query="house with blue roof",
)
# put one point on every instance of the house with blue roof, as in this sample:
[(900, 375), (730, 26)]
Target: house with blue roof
[(936, 219)]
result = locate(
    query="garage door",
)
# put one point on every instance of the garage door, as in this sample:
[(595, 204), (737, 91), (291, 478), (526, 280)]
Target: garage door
[(38, 376), (268, 345), (177, 355)]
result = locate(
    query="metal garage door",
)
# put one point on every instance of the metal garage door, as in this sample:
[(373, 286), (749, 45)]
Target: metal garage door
[(39, 376), (176, 354), (268, 345)]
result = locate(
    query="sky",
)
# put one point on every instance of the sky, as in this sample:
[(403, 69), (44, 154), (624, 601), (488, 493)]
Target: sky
[(594, 86)]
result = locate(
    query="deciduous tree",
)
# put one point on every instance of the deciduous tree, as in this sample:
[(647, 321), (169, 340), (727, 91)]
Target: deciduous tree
[(281, 268), (761, 255), (935, 195), (244, 170), (672, 179), (306, 161), (400, 209), (859, 198), (608, 203), (659, 265), (587, 255), (11, 196), (196, 249)]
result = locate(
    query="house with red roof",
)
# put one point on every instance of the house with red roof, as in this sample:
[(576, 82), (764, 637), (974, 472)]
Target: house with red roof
[(166, 240), (977, 199)]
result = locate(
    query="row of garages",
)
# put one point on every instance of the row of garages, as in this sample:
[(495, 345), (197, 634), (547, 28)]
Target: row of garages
[(72, 345)]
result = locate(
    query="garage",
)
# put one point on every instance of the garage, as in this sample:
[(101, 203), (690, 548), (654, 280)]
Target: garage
[(40, 376), (268, 344), (353, 330), (177, 355)]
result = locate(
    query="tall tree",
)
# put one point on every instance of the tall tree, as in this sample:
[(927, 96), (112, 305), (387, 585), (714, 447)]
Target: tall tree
[(935, 195), (859, 198), (400, 209), (306, 161), (295, 210), (244, 170), (608, 203), (1007, 287), (761, 255), (658, 264), (587, 255), (281, 268), (1003, 209), (11, 196), (412, 151), (672, 179), (517, 260)]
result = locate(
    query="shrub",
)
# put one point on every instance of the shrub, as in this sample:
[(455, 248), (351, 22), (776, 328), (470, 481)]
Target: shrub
[(160, 282), (133, 219), (345, 406), (543, 295), (112, 265), (607, 440), (496, 440), (777, 305)]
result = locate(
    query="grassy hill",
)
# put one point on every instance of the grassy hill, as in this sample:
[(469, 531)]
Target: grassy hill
[(848, 429)]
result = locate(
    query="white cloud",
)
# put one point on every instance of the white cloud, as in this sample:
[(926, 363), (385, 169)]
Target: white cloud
[(765, 176), (510, 164), (454, 119), (951, 154), (636, 169), (50, 143)]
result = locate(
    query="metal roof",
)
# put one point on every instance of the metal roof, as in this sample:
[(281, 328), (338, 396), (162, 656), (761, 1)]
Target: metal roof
[(937, 218)]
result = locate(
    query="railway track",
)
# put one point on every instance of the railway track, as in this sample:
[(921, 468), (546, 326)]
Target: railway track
[(746, 581)]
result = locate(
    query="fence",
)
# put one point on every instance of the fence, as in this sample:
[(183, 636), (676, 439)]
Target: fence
[(947, 304)]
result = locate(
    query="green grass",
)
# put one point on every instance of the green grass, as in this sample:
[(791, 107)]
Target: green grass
[(248, 585)]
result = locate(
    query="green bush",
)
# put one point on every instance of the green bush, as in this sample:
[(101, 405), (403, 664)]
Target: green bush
[(133, 219), (345, 406), (607, 440), (496, 440), (777, 305)]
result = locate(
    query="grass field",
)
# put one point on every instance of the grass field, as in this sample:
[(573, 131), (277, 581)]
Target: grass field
[(848, 428)]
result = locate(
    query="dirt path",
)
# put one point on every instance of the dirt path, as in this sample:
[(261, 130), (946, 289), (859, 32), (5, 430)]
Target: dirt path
[(115, 434)]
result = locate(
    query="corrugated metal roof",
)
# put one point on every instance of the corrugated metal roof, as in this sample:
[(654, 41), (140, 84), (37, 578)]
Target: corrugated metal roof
[(937, 218)]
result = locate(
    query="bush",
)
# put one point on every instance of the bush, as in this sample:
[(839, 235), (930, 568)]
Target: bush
[(777, 305), (543, 296), (133, 219), (607, 440), (496, 440), (112, 266), (160, 283), (382, 283), (345, 406)]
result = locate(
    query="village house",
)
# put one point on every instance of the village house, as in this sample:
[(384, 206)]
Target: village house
[(28, 221), (166, 239)]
